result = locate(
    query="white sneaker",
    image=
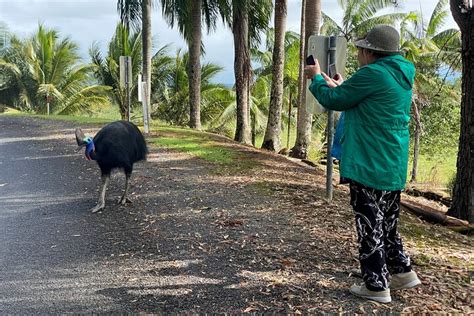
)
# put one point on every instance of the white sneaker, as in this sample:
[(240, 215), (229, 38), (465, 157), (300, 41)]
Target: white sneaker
[(405, 280), (378, 296)]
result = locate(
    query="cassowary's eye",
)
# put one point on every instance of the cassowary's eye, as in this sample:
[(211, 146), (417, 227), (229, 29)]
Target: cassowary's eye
[(88, 140)]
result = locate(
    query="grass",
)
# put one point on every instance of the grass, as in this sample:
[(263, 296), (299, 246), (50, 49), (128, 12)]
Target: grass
[(436, 170), (205, 149)]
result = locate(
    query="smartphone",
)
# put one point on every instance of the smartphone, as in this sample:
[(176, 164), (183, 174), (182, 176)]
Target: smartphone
[(332, 71), (310, 60)]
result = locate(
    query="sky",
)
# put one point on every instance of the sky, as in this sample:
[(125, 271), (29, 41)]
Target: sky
[(89, 21)]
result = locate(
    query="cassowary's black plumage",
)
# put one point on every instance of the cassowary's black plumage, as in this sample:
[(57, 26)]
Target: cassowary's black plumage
[(117, 145)]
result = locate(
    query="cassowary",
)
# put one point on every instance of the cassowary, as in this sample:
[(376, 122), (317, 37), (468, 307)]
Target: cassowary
[(117, 145)]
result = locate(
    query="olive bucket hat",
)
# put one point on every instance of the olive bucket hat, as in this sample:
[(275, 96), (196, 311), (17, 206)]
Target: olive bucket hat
[(382, 39)]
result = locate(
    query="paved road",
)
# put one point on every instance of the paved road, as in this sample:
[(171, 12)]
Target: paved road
[(171, 251), (55, 256)]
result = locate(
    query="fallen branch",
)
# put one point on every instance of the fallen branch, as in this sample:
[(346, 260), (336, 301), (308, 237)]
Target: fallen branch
[(430, 196), (432, 215)]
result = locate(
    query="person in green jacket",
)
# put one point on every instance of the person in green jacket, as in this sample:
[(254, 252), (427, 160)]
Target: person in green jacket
[(375, 141)]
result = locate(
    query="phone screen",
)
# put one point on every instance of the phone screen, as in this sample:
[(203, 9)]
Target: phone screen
[(332, 71), (310, 60)]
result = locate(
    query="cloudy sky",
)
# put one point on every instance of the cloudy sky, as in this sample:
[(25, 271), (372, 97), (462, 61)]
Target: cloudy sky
[(88, 21)]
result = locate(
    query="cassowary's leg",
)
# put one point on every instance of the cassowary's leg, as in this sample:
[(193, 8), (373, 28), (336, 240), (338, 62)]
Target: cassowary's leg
[(124, 198), (101, 204)]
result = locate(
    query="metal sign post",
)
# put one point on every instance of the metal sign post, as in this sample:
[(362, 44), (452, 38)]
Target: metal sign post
[(126, 79), (330, 126), (329, 51), (142, 90)]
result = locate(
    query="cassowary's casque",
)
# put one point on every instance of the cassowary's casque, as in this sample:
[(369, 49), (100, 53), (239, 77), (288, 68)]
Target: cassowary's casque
[(117, 145)]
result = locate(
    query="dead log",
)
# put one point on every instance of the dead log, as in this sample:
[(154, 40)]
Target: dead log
[(430, 196), (432, 215), (466, 230)]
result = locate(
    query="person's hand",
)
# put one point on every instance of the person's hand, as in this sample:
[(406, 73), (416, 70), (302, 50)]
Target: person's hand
[(332, 83), (312, 70)]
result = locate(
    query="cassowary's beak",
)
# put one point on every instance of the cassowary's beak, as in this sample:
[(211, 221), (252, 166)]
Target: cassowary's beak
[(80, 139)]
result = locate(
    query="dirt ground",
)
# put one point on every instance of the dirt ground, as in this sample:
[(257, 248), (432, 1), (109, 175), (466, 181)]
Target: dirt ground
[(268, 233)]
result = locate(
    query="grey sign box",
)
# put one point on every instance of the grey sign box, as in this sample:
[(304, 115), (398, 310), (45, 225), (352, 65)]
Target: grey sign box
[(318, 47), (125, 71)]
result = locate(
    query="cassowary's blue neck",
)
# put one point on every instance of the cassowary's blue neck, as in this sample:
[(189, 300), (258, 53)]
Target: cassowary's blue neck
[(90, 148)]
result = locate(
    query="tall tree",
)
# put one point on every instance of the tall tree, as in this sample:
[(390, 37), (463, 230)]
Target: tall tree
[(246, 25), (272, 134), (146, 53), (188, 16), (194, 66), (290, 74), (463, 195), (240, 29), (171, 94), (303, 134)]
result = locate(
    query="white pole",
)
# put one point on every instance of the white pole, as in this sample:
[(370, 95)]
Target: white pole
[(145, 107), (47, 103), (139, 85)]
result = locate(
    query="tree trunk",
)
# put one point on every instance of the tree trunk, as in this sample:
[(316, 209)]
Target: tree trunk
[(272, 141), (312, 21), (290, 102), (194, 66), (416, 146), (146, 42), (463, 193), (240, 29)]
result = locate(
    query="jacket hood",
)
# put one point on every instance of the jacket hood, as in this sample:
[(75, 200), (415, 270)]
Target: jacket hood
[(401, 69)]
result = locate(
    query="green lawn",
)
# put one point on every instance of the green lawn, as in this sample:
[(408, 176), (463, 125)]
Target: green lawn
[(199, 144), (436, 170)]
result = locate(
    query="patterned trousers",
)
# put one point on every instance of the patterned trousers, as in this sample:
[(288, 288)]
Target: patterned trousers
[(380, 246)]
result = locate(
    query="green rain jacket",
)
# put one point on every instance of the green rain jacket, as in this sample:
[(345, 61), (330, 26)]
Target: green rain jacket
[(377, 101)]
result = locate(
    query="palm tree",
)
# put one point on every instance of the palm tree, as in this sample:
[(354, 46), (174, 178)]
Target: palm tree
[(303, 134), (261, 87), (463, 193), (246, 27), (107, 69), (171, 93), (359, 17), (259, 98), (290, 70), (240, 29), (188, 15), (132, 12), (43, 73), (272, 135)]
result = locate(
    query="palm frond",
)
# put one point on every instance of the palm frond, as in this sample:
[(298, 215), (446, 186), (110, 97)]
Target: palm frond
[(438, 17), (130, 12), (364, 26), (330, 27)]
